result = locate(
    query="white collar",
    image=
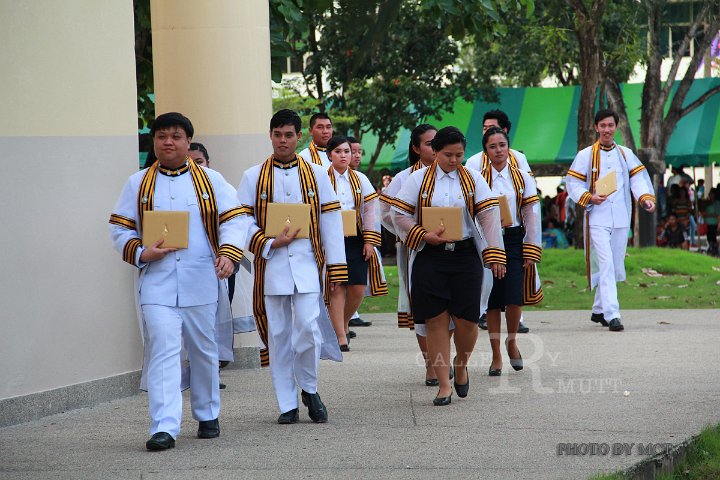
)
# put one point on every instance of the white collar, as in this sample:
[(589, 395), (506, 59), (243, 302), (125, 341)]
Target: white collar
[(504, 173), (441, 173), (345, 175)]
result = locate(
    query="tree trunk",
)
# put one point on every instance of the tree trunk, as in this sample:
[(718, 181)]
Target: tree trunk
[(587, 31), (374, 157), (617, 103)]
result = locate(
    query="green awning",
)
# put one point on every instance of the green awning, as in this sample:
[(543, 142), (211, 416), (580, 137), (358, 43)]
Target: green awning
[(545, 126)]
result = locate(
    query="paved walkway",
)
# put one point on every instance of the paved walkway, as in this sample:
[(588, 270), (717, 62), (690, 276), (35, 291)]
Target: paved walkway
[(383, 425)]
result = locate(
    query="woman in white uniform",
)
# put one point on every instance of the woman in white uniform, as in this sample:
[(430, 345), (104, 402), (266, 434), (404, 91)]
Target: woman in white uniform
[(445, 276), (522, 237), (356, 194)]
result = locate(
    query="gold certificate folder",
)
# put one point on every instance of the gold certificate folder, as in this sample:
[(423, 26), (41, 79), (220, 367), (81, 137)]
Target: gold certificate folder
[(172, 226), (450, 218), (607, 184), (349, 220), (293, 215), (505, 213)]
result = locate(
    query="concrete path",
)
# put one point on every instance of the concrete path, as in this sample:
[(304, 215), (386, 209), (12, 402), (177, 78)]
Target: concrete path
[(383, 425)]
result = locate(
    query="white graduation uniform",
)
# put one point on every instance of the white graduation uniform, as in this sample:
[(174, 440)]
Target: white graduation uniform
[(317, 155), (607, 225), (288, 303), (181, 301)]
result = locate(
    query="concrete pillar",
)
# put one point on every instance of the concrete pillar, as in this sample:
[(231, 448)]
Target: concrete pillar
[(211, 62), (68, 136)]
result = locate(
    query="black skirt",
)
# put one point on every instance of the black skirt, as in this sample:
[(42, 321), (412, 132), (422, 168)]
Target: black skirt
[(446, 280), (357, 266), (509, 290)]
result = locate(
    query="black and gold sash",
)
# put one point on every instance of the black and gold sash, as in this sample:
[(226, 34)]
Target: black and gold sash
[(314, 155), (378, 287), (512, 160), (207, 204), (263, 196)]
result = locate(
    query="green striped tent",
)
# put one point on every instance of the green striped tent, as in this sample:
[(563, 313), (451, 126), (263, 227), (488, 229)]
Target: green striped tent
[(545, 126)]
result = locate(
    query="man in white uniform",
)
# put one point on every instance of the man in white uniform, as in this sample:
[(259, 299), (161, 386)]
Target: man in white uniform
[(180, 290), (288, 303), (480, 162), (321, 131), (607, 218)]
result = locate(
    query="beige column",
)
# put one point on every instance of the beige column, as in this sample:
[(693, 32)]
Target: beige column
[(68, 136), (211, 62)]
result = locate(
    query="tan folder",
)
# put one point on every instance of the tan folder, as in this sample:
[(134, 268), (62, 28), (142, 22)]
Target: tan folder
[(349, 220), (293, 215), (172, 226), (449, 218), (607, 184), (505, 213)]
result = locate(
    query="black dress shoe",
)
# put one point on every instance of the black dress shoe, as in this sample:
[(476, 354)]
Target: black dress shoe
[(483, 322), (345, 348), (452, 372), (359, 322), (515, 363), (351, 334), (209, 429), (316, 408), (615, 325), (160, 441), (522, 328), (432, 382), (442, 401), (494, 372), (291, 416), (599, 318), (462, 390), (222, 386), (224, 363)]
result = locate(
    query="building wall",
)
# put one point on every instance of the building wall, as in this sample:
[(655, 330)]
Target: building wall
[(68, 138)]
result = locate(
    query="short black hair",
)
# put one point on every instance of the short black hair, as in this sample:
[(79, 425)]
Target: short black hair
[(335, 141), (605, 113), (315, 116), (494, 131), (172, 119), (415, 135), (448, 136), (352, 140), (195, 146), (286, 117), (501, 118)]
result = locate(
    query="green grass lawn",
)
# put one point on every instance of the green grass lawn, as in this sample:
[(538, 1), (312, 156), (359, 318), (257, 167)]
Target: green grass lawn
[(690, 280)]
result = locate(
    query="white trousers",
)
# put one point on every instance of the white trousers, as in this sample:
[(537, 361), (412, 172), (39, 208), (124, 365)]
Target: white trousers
[(294, 342), (608, 245), (169, 329)]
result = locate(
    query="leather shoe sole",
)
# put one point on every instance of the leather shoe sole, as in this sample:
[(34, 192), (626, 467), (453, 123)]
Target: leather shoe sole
[(160, 441), (599, 318)]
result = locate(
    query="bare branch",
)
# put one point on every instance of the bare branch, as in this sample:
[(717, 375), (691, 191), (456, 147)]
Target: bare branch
[(700, 100), (699, 19)]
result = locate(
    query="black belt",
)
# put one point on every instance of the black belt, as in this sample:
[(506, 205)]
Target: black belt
[(459, 246), (514, 230)]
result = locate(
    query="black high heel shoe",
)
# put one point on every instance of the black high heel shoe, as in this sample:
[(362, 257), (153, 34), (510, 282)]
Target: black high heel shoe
[(515, 363), (494, 372), (442, 401), (462, 390)]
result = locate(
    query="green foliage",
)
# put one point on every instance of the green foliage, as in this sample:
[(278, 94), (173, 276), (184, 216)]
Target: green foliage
[(527, 49), (143, 63)]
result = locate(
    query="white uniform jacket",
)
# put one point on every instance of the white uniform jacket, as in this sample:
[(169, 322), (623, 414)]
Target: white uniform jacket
[(316, 155), (297, 267), (632, 179), (217, 226), (466, 188)]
